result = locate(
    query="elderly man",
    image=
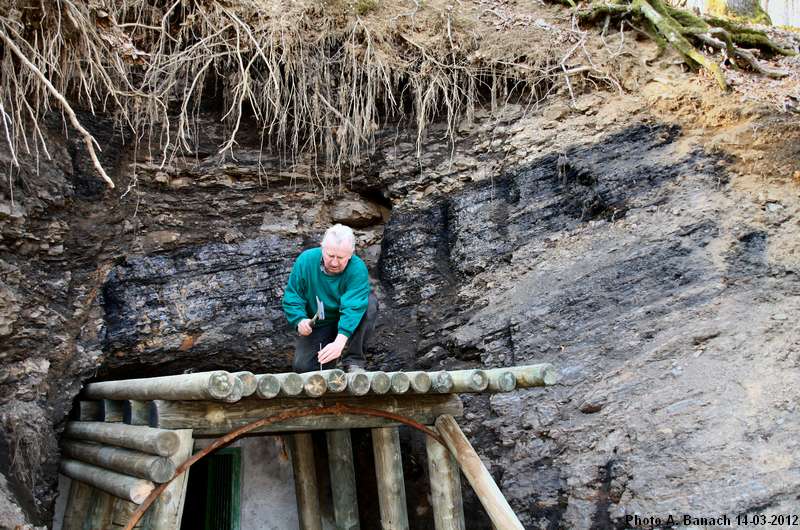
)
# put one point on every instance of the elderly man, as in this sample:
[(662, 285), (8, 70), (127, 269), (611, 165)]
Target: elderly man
[(332, 275)]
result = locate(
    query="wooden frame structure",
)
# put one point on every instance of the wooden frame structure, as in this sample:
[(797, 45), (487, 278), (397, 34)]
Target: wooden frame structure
[(128, 436)]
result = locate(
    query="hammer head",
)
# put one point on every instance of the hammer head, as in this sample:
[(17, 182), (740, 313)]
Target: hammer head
[(320, 309)]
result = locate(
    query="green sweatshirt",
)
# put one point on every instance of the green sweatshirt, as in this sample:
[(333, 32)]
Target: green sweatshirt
[(345, 295)]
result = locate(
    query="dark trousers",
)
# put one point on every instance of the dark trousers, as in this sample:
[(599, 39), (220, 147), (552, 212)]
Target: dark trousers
[(306, 348)]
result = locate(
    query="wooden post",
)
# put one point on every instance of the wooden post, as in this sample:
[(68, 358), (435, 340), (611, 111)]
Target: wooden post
[(534, 375), (204, 385), (469, 380), (420, 382), (343, 480), (117, 484), (78, 505), (145, 439), (305, 481), (445, 479), (86, 411), (441, 382), (111, 410), (389, 471), (142, 465), (101, 510), (400, 382), (122, 512), (496, 505), (501, 380), (211, 418), (379, 382), (135, 412), (168, 509), (357, 384), (249, 382)]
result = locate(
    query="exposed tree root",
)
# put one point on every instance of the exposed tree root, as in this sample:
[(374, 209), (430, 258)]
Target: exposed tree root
[(316, 78), (685, 31)]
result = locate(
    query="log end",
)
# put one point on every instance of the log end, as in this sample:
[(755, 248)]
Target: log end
[(441, 382), (478, 380), (268, 386), (249, 383), (400, 383), (140, 491), (380, 383), (420, 382), (167, 443), (336, 380), (237, 392), (315, 385), (357, 384), (220, 384), (292, 384), (505, 382)]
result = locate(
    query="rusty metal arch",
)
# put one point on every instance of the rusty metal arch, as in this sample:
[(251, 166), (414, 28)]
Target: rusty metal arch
[(333, 410)]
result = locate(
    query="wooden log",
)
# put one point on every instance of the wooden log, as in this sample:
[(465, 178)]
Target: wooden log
[(495, 504), (335, 379), (168, 509), (272, 385), (135, 412), (379, 382), (445, 480), (78, 505), (400, 382), (534, 375), (122, 512), (469, 380), (210, 418), (204, 385), (144, 439), (122, 486), (305, 481), (357, 384), (389, 472), (501, 380), (86, 411), (343, 477), (236, 393), (101, 510), (441, 382), (314, 384), (142, 465), (249, 382), (111, 410), (420, 382)]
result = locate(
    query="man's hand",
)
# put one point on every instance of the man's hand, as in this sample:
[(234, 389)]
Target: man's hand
[(333, 350), (304, 327)]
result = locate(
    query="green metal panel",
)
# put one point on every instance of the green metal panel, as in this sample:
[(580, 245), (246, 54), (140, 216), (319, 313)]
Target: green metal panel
[(223, 494)]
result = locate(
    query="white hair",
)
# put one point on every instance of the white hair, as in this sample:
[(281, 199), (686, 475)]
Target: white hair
[(339, 235)]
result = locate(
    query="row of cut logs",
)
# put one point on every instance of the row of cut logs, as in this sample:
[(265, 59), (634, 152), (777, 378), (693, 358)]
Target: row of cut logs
[(123, 460), (232, 387)]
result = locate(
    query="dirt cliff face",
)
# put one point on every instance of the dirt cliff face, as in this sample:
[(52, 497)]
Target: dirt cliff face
[(649, 260)]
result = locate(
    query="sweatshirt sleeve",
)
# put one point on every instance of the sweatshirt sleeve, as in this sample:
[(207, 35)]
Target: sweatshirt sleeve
[(354, 301), (294, 305)]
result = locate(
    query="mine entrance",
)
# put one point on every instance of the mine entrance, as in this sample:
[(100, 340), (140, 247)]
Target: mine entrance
[(214, 492)]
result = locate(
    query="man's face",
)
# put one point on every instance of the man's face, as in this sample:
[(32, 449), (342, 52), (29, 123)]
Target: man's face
[(335, 258)]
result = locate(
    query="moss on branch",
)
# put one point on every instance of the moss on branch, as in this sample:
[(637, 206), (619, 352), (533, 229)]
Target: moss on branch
[(686, 32)]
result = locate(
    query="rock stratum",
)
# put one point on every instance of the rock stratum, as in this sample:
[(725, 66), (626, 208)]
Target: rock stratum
[(641, 252)]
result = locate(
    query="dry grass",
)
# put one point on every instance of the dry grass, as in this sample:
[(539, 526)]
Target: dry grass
[(320, 78)]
